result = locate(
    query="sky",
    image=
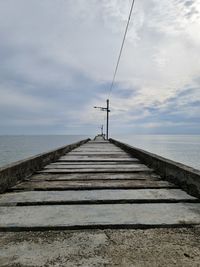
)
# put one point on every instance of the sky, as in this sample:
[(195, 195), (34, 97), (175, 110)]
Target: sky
[(57, 59)]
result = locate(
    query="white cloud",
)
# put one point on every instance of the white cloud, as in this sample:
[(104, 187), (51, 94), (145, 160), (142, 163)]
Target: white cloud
[(49, 44), (12, 99)]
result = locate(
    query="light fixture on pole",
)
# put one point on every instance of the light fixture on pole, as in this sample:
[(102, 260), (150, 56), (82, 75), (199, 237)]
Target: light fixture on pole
[(107, 110)]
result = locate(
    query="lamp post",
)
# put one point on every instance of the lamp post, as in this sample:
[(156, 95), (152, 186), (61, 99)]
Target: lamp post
[(107, 117)]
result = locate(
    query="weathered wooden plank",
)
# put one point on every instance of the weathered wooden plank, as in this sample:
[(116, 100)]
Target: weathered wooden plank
[(93, 196), (95, 176), (80, 216), (92, 184)]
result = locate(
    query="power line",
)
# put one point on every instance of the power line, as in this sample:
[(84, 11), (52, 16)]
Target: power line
[(122, 45), (116, 68)]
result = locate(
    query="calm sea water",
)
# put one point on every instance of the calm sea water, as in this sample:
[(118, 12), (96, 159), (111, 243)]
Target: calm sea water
[(13, 148), (181, 148)]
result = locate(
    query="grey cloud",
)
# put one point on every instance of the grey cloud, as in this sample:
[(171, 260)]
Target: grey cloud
[(189, 3), (58, 57)]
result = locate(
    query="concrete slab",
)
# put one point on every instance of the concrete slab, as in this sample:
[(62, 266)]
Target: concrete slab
[(92, 143), (122, 153), (97, 150), (97, 158), (93, 196), (57, 165), (97, 248), (63, 162), (80, 216), (90, 170), (99, 141), (95, 176), (92, 184), (99, 145)]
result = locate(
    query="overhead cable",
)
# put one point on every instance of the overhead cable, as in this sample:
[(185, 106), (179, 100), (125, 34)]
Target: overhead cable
[(122, 45)]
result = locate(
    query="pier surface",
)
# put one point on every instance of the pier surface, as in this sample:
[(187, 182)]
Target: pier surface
[(98, 206)]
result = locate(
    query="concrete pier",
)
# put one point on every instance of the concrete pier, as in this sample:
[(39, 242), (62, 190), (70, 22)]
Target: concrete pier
[(98, 205)]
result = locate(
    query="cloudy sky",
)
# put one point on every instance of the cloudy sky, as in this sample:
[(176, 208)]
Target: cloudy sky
[(57, 59)]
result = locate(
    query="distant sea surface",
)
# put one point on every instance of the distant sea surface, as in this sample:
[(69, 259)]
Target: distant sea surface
[(180, 148), (14, 148)]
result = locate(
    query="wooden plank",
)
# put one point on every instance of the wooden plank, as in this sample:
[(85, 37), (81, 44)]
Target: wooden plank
[(93, 196), (92, 184), (80, 216)]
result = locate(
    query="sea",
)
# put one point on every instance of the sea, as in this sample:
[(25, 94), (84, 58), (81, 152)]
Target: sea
[(180, 148)]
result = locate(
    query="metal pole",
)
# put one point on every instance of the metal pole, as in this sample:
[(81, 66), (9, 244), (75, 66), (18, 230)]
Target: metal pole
[(107, 110), (102, 130), (107, 118)]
